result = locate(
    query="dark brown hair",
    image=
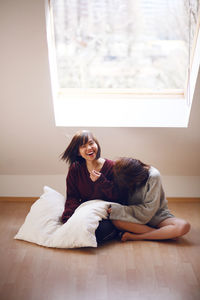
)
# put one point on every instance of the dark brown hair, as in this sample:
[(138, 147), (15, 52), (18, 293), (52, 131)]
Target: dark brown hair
[(130, 173), (71, 154)]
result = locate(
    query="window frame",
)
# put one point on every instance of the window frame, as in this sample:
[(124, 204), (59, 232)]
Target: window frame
[(66, 100)]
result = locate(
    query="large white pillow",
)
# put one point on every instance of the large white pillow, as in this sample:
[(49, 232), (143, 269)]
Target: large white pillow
[(43, 226)]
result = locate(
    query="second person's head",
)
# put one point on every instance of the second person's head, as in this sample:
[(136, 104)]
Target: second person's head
[(130, 173)]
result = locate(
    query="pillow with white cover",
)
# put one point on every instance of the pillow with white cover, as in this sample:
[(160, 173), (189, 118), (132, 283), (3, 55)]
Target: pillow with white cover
[(43, 223)]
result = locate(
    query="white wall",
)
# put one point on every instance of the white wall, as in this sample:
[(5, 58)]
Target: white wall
[(32, 185), (30, 144)]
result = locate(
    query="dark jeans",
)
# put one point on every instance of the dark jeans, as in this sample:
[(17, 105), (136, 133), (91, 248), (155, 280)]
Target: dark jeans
[(106, 231)]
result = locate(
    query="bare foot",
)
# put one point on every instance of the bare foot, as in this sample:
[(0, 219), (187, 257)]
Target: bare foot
[(125, 236), (128, 236)]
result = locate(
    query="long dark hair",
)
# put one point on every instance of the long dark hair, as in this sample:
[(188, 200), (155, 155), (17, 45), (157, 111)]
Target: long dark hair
[(71, 154), (129, 174)]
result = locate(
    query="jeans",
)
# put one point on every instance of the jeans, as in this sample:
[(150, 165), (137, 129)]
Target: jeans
[(106, 231)]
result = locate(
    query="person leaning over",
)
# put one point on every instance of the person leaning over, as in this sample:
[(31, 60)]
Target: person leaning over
[(145, 214)]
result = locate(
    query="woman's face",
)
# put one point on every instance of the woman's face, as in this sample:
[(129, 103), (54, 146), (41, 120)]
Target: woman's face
[(89, 150)]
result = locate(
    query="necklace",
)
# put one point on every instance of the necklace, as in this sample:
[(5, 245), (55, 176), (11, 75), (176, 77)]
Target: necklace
[(97, 167)]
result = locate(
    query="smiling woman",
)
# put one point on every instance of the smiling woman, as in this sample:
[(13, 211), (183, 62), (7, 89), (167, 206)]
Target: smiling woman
[(78, 143), (90, 177), (89, 150)]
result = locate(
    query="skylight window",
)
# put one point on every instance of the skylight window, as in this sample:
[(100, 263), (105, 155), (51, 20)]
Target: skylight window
[(123, 44), (123, 63)]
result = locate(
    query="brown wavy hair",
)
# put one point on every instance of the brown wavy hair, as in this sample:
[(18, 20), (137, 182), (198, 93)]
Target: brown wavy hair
[(130, 173), (71, 154)]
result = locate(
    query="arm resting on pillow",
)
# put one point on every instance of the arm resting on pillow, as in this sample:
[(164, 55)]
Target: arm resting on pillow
[(73, 197)]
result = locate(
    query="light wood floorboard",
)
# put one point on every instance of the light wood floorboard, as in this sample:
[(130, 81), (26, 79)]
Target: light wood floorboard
[(132, 270)]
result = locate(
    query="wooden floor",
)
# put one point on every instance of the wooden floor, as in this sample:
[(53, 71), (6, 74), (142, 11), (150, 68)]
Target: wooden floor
[(132, 270)]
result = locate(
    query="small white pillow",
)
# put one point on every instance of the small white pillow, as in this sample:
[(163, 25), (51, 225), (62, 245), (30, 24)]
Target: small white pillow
[(43, 225)]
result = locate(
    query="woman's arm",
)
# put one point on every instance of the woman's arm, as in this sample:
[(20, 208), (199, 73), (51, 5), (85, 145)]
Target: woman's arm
[(141, 213), (103, 187), (106, 189), (73, 196)]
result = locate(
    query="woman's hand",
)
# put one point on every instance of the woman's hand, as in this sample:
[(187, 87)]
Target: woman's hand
[(109, 210), (94, 175)]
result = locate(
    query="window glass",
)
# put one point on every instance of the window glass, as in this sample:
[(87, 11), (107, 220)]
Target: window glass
[(124, 44)]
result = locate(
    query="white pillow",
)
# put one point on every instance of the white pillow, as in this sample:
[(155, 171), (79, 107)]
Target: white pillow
[(43, 225)]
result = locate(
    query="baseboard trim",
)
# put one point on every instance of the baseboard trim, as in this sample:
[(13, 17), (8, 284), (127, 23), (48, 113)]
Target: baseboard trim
[(18, 199), (183, 199), (33, 199)]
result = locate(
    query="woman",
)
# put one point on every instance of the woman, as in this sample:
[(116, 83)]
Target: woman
[(89, 177), (145, 214)]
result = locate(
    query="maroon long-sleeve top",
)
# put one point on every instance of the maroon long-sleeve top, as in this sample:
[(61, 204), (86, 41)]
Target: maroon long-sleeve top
[(81, 188)]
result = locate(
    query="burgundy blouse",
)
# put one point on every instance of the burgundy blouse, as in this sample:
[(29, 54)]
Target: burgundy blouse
[(81, 188)]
